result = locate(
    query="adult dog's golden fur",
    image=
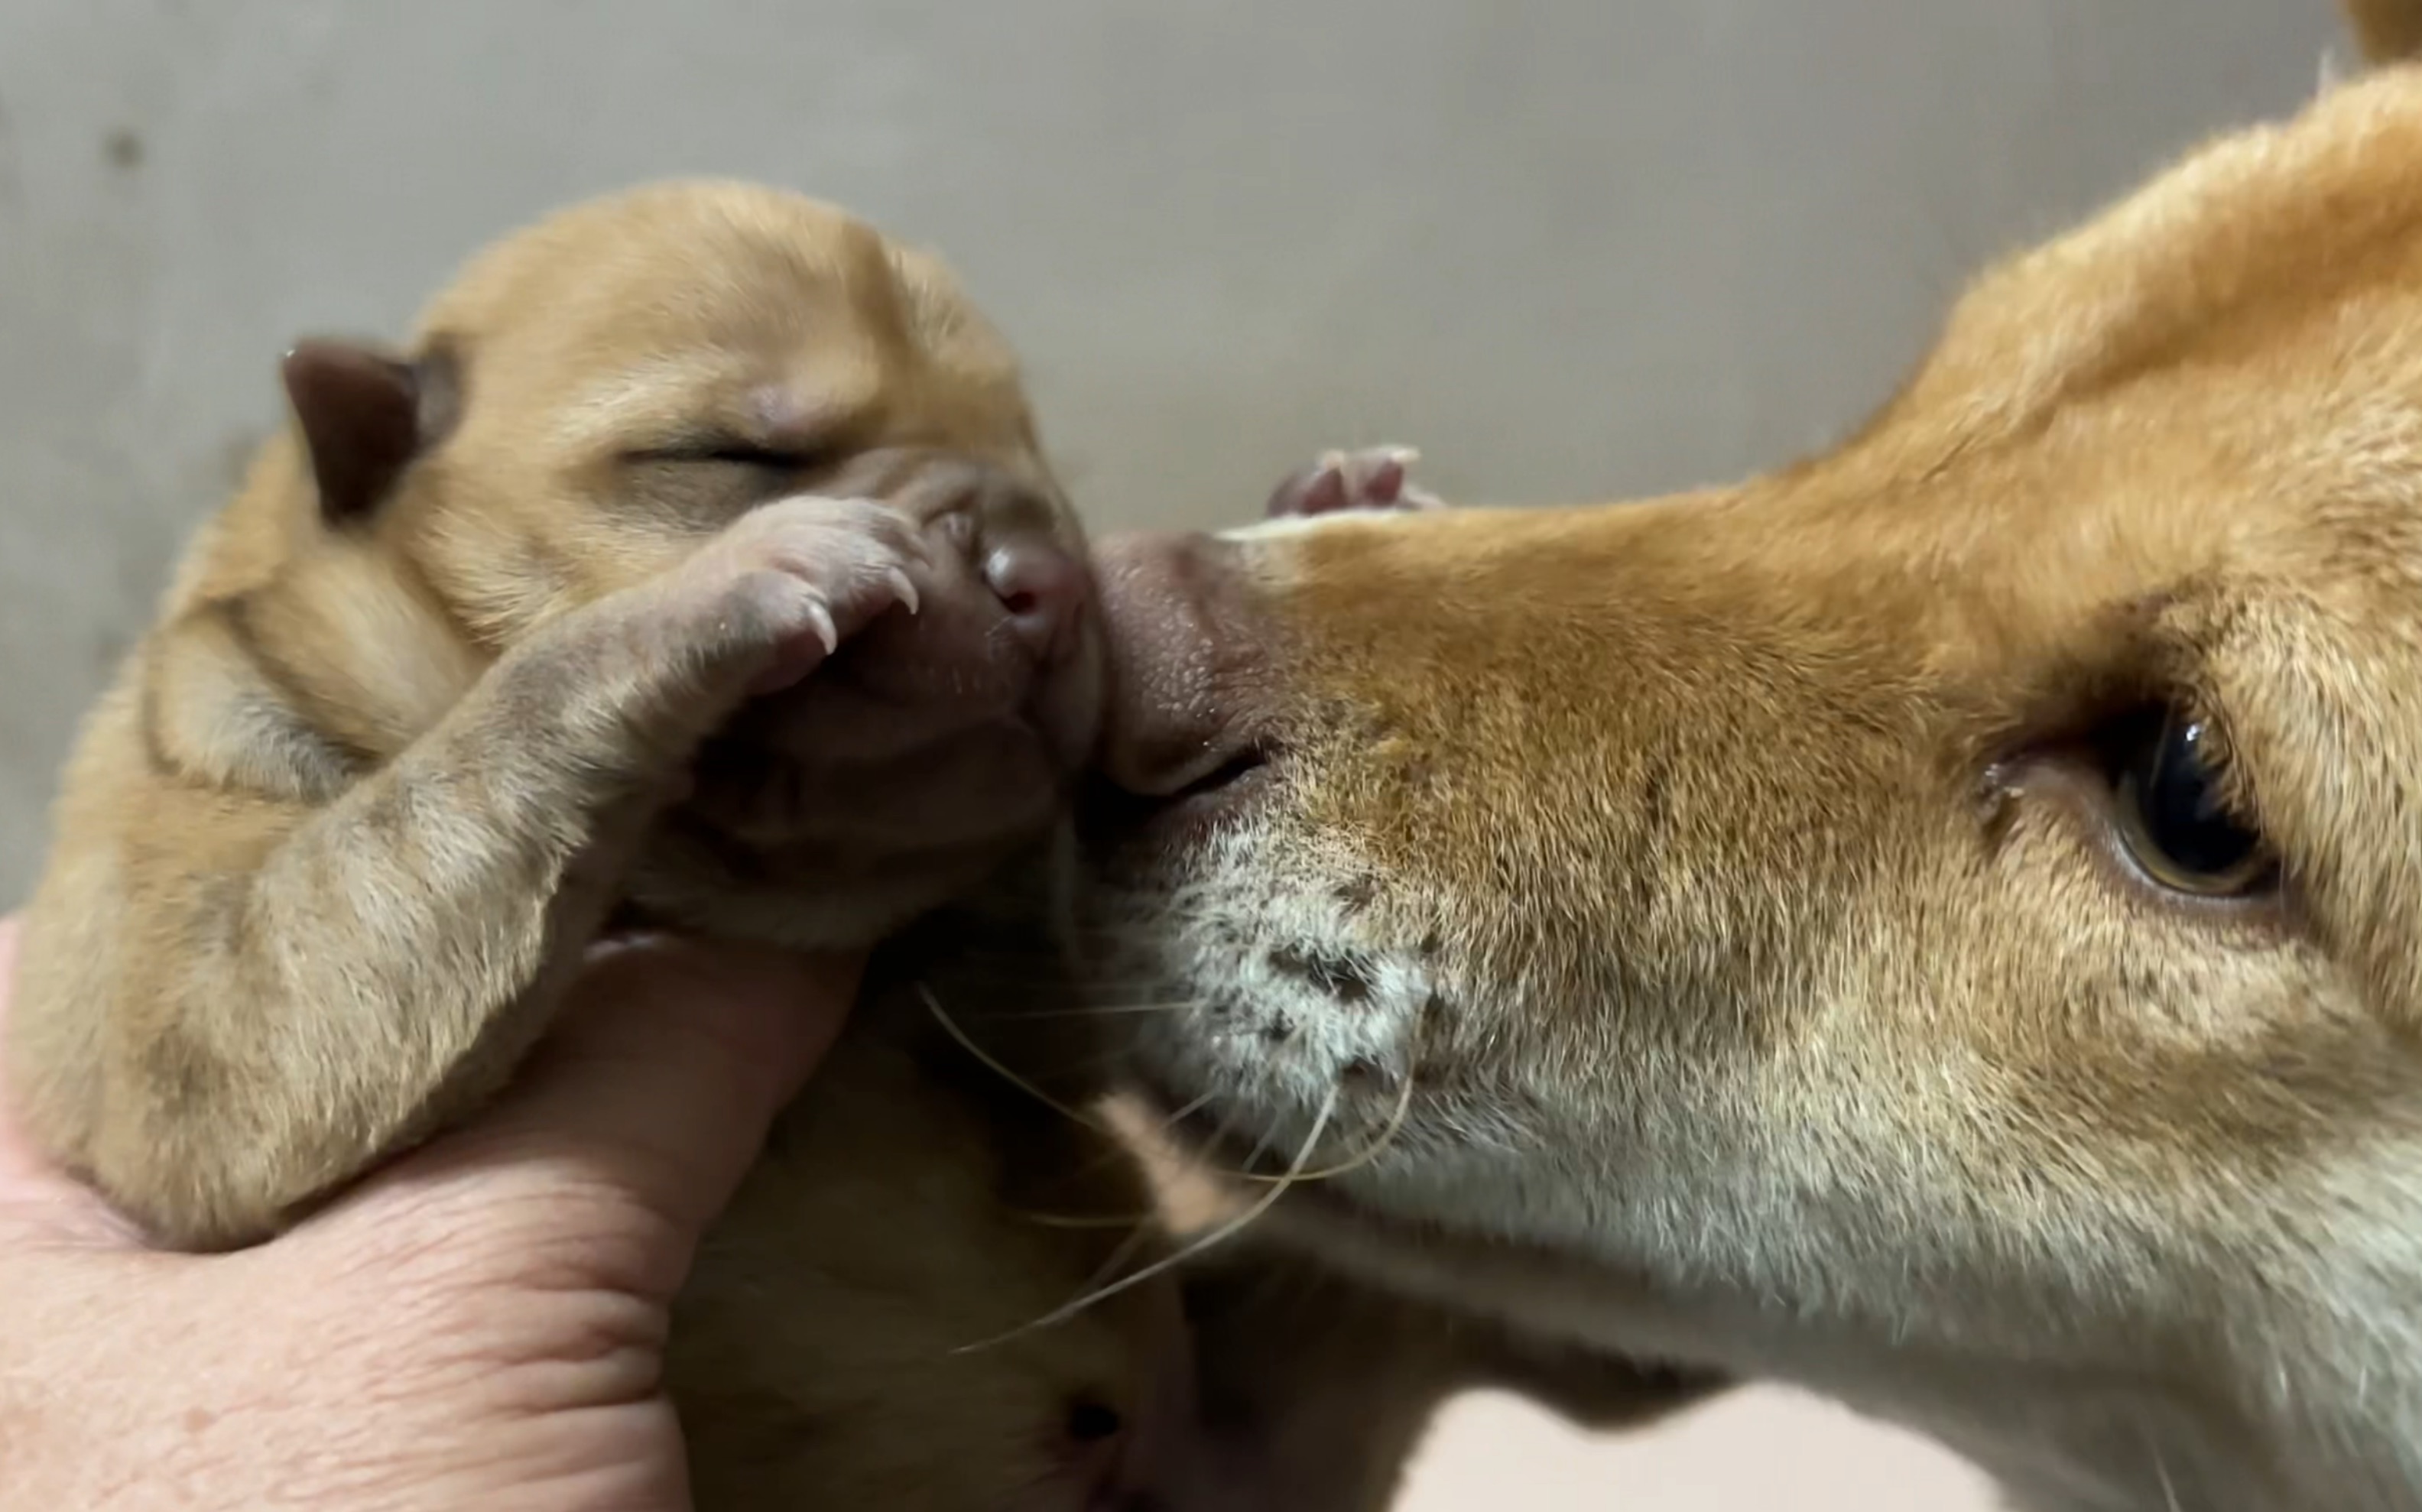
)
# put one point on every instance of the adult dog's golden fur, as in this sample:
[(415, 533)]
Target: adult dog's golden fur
[(1810, 954)]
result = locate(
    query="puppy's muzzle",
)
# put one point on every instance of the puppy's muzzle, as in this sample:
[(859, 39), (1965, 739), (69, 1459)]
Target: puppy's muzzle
[(1013, 537), (963, 725)]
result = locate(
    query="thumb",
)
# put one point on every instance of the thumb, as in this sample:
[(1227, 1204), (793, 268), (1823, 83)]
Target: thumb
[(656, 1088)]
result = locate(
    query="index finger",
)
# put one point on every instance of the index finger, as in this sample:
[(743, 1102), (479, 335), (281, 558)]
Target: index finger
[(642, 1110)]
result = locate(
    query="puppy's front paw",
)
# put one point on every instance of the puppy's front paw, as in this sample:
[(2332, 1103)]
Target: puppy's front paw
[(1373, 477), (784, 586)]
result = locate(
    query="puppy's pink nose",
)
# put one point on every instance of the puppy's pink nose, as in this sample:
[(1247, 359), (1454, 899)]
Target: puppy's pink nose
[(1189, 671), (1044, 590)]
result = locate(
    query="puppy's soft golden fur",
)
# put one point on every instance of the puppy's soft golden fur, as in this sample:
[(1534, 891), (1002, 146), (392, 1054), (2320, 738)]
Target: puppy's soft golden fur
[(1759, 894), (473, 660)]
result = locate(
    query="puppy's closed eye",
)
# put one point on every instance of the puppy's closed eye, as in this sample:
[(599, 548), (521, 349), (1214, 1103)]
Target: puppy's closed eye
[(707, 478), (734, 451)]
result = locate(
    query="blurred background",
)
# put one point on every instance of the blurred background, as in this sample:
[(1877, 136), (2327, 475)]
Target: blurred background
[(1571, 248)]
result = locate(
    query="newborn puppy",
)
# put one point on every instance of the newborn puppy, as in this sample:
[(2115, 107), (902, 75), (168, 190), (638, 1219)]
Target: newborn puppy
[(695, 564)]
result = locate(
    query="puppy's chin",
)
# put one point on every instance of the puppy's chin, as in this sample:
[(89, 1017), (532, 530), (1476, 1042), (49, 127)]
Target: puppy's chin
[(900, 776), (801, 894)]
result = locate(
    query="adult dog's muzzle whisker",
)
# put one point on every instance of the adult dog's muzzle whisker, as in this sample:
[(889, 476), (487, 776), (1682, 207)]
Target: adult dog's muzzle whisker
[(1167, 1263)]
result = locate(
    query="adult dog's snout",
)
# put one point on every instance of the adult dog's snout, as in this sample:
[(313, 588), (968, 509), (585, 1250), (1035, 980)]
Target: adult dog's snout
[(1189, 704)]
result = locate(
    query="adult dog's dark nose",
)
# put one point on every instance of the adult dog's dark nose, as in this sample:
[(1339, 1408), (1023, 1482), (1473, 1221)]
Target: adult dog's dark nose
[(1190, 694)]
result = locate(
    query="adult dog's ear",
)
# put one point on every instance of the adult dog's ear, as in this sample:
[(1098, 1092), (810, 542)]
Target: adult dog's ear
[(2389, 30), (365, 416)]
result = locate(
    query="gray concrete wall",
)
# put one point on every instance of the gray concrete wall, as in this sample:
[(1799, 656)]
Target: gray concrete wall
[(1572, 247)]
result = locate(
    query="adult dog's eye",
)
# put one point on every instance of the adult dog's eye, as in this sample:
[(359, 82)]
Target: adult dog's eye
[(2172, 815)]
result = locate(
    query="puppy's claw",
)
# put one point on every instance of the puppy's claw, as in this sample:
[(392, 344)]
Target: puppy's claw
[(820, 618), (900, 533), (775, 595)]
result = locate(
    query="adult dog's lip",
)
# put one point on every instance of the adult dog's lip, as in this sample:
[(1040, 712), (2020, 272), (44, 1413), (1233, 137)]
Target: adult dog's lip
[(1111, 815)]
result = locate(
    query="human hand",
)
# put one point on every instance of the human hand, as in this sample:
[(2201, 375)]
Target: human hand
[(479, 1323)]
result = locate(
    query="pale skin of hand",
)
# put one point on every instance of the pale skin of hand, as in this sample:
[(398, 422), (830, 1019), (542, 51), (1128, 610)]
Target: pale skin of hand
[(478, 1325)]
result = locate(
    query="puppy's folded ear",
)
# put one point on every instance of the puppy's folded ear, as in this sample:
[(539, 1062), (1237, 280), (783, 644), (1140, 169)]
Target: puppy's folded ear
[(2389, 30), (365, 416)]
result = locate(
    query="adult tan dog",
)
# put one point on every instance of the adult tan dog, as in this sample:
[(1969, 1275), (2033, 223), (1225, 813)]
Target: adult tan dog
[(1940, 923)]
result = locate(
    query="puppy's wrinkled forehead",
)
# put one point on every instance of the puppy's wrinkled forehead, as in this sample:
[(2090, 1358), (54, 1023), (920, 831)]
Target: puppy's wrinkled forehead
[(698, 315)]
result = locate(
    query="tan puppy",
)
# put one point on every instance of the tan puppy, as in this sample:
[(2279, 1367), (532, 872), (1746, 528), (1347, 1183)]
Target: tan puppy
[(361, 799), (696, 561), (470, 662), (1938, 923)]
